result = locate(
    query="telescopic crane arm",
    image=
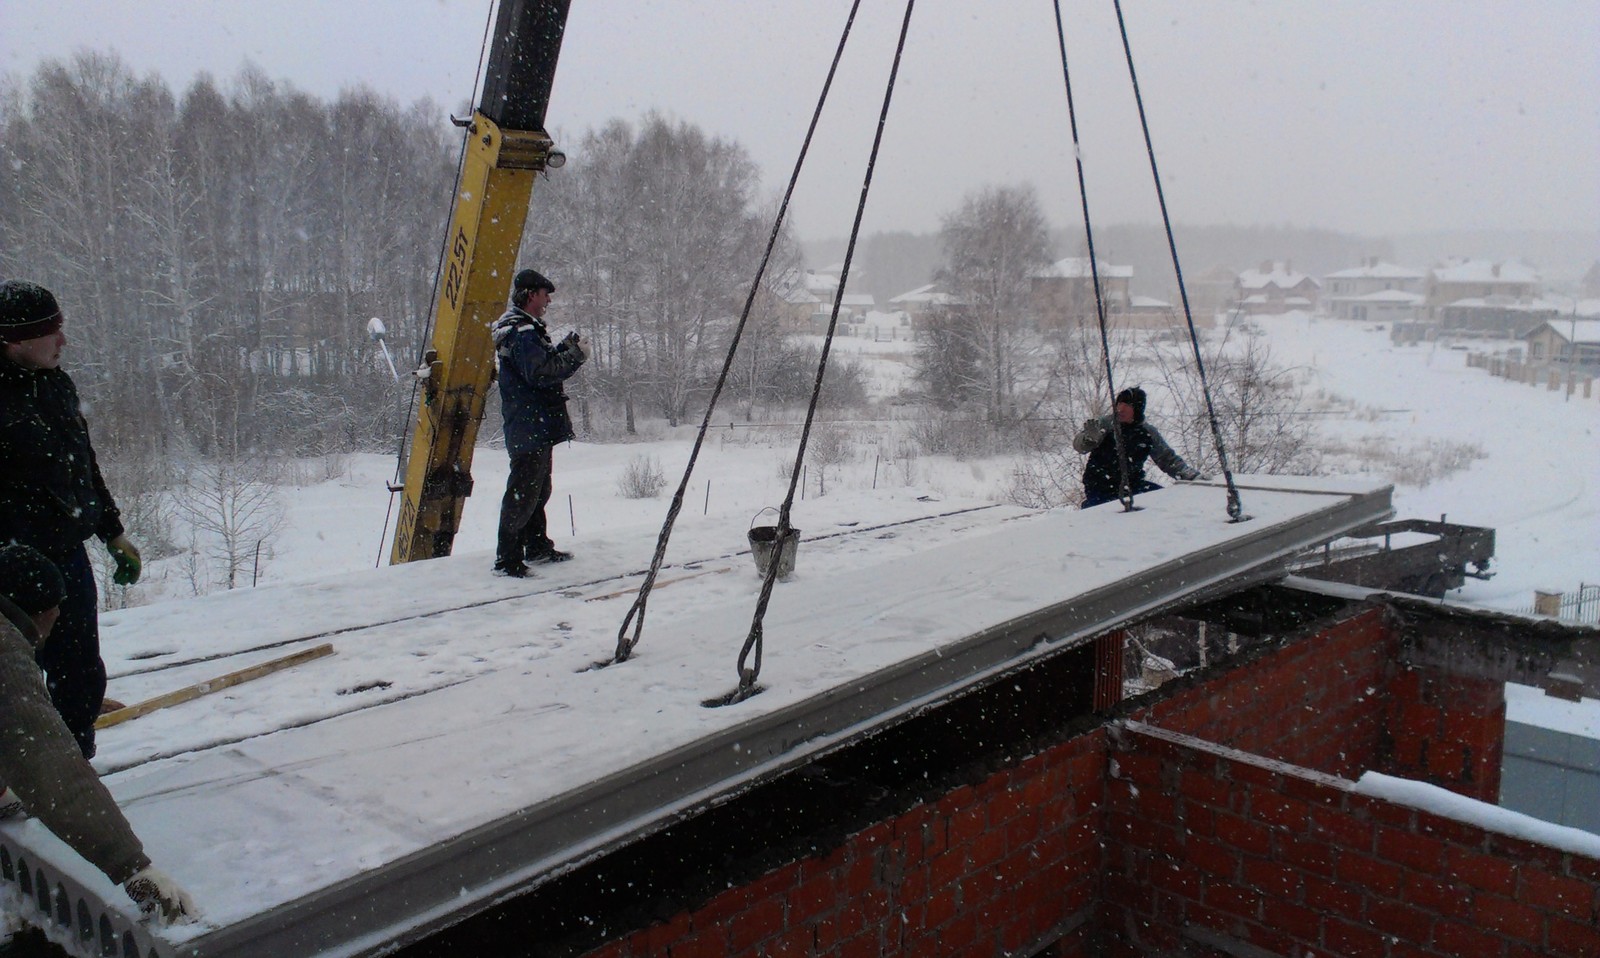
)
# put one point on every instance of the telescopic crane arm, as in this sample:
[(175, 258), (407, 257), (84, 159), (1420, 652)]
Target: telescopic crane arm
[(506, 147)]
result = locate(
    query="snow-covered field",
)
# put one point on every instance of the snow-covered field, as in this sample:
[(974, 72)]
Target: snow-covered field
[(1535, 482)]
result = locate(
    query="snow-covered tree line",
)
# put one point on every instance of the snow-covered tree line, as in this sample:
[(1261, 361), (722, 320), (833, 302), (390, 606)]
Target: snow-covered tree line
[(218, 251)]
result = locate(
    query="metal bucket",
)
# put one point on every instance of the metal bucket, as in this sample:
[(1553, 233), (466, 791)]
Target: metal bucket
[(764, 547)]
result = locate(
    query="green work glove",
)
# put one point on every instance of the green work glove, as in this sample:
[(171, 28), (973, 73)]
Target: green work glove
[(127, 559)]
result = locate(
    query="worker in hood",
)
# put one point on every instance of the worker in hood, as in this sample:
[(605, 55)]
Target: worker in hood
[(1102, 475)]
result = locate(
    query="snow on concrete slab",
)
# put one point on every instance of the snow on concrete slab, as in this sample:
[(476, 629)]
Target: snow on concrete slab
[(458, 749)]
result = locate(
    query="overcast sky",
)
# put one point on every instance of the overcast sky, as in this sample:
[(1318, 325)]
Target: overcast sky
[(1369, 116)]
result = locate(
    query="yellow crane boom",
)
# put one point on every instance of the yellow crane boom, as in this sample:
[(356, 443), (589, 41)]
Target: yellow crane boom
[(506, 148)]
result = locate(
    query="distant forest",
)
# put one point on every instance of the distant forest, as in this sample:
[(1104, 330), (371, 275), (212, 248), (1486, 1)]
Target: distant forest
[(218, 254)]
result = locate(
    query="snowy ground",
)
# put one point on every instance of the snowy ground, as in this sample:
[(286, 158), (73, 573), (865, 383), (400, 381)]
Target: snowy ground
[(1535, 483)]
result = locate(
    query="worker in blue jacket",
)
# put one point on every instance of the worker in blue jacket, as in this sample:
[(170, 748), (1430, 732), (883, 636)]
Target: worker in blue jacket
[(533, 404)]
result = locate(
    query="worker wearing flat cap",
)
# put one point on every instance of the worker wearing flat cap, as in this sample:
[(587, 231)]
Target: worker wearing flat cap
[(52, 496), (533, 405), (40, 761)]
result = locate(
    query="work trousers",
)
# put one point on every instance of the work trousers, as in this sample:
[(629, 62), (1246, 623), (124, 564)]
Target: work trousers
[(522, 534), (70, 657)]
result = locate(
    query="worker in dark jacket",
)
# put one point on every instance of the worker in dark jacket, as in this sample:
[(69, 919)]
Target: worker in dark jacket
[(1102, 477), (52, 496), (40, 760), (533, 404)]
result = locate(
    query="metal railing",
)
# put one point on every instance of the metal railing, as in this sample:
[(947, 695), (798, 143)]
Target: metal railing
[(1582, 605)]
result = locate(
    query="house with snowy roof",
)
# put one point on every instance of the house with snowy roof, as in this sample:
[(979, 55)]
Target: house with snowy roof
[(923, 301), (1567, 340), (1062, 294), (1375, 291), (1486, 298), (808, 297), (1274, 288), (1212, 290)]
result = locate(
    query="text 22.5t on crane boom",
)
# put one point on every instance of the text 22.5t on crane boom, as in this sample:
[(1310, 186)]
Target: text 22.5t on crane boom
[(506, 148)]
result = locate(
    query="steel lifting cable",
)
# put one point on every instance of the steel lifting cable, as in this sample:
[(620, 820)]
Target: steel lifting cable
[(1235, 507), (433, 296), (1125, 489), (635, 616), (753, 642)]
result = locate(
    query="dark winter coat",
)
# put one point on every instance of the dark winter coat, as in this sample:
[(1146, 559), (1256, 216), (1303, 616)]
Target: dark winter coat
[(532, 369), (51, 494), (40, 761), (1140, 440)]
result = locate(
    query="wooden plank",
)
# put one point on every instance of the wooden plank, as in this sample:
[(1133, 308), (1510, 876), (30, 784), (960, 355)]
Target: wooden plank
[(192, 692), (660, 584)]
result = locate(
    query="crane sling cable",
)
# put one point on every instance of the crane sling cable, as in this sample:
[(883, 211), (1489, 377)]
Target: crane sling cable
[(433, 297), (636, 613), (754, 641), (1235, 507), (1125, 484)]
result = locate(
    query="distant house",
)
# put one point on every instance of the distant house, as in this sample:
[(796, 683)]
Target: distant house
[(855, 306), (1147, 312), (1485, 298), (921, 302), (1565, 340), (1212, 290), (1062, 294), (1374, 292), (1495, 317), (1275, 288), (808, 298), (1383, 306)]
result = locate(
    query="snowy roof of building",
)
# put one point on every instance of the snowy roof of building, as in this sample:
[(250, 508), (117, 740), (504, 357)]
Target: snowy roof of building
[(1280, 276), (929, 295), (921, 294), (1378, 271), (1583, 332), (797, 296), (821, 282), (1484, 271), (858, 300), (1508, 304), (1389, 296), (1148, 302), (1077, 267)]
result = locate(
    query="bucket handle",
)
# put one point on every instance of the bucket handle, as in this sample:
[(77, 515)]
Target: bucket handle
[(762, 513)]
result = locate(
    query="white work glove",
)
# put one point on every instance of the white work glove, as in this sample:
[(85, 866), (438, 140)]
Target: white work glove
[(158, 895)]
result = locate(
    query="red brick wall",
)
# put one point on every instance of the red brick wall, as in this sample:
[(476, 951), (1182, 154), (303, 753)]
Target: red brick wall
[(985, 870), (1296, 863), (1447, 731), (1311, 703), (1131, 841)]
